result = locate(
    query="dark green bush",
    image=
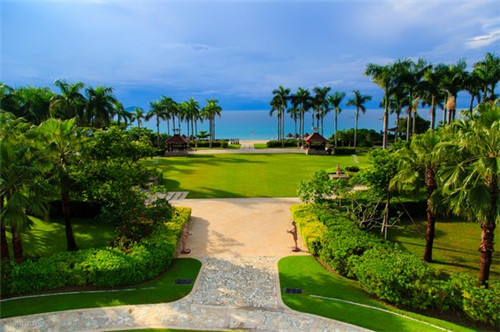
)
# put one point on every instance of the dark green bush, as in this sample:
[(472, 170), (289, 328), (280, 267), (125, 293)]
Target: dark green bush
[(102, 267), (277, 144), (215, 144), (352, 168), (79, 209), (344, 151)]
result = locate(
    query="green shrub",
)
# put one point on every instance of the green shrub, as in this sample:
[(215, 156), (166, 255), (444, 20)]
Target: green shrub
[(352, 168), (344, 151), (277, 144), (79, 209), (206, 144), (102, 267)]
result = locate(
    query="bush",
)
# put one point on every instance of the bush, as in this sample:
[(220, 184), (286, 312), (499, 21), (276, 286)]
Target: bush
[(352, 168), (344, 151), (215, 144), (102, 267), (277, 144)]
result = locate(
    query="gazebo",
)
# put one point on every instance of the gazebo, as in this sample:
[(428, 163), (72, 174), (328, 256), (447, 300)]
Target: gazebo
[(176, 146), (316, 144)]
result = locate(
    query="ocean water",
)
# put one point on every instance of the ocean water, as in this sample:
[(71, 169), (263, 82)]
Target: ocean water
[(259, 125)]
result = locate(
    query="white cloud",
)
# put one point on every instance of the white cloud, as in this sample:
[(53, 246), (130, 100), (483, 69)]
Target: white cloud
[(484, 40)]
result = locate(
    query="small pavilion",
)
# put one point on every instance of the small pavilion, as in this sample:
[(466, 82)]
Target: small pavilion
[(316, 144), (177, 145)]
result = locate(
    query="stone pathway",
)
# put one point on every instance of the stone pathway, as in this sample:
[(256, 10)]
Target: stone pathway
[(238, 287)]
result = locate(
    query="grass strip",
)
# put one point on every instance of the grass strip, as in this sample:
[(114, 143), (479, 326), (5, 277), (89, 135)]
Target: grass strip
[(159, 290), (306, 273)]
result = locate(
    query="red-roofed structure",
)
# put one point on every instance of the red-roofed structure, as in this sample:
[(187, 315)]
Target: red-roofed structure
[(316, 144), (176, 146)]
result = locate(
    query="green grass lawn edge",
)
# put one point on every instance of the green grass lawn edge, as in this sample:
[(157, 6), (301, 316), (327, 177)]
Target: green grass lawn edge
[(159, 290), (308, 274)]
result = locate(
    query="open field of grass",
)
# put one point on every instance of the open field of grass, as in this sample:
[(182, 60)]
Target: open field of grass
[(306, 273), (161, 289), (49, 237), (245, 175), (455, 245)]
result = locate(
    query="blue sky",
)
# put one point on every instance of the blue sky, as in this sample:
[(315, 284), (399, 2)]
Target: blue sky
[(235, 51)]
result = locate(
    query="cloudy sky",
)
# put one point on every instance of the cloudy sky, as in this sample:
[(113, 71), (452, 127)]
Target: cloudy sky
[(235, 51)]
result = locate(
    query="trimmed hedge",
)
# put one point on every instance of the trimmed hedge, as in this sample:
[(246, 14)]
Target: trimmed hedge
[(277, 144), (206, 144), (101, 267), (389, 273), (344, 151)]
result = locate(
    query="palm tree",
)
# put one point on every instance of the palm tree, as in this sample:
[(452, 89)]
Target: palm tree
[(138, 116), (383, 77), (100, 106), (34, 103), (280, 103), (8, 100), (358, 101), (472, 174), (432, 94), (70, 103), (294, 114), (62, 147), (472, 84), (22, 192), (452, 82), (275, 110), (335, 100), (158, 111), (303, 100), (210, 111), (320, 104), (192, 111), (418, 166), (488, 71), (171, 109), (121, 113)]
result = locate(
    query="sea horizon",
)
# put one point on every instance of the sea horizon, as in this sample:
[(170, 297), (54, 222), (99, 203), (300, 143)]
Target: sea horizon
[(259, 125)]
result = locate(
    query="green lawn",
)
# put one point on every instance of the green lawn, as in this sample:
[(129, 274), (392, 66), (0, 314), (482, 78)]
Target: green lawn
[(245, 175), (306, 273), (47, 238), (161, 289), (455, 245)]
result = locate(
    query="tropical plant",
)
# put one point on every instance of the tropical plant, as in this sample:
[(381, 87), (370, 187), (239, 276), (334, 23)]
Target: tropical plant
[(302, 99), (172, 110), (100, 106), (70, 103), (210, 111), (452, 82), (34, 103), (417, 167), (334, 101), (471, 176), (279, 104), (358, 101), (432, 94), (121, 113), (158, 111), (488, 72), (320, 105), (138, 116)]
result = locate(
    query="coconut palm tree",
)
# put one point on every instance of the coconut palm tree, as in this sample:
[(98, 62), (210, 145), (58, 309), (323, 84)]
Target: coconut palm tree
[(275, 110), (452, 82), (303, 100), (100, 106), (472, 174), (70, 103), (488, 71), (334, 101), (171, 109), (8, 99), (138, 116), (121, 113), (472, 84), (294, 114), (210, 111), (320, 104), (158, 111), (34, 103), (358, 102), (61, 148), (192, 111), (432, 94), (280, 103), (384, 78), (417, 168)]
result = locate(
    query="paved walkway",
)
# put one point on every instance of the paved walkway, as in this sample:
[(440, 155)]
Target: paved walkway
[(239, 242)]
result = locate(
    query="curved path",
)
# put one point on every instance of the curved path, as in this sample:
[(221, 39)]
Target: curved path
[(239, 242)]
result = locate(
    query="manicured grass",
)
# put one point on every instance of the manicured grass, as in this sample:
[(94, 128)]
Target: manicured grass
[(49, 237), (245, 175), (306, 273), (455, 245), (159, 290), (162, 330)]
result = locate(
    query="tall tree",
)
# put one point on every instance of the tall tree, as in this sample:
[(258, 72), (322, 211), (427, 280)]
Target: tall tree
[(488, 71), (384, 78), (452, 82), (334, 101), (157, 110), (34, 103), (417, 167), (279, 102), (121, 113), (100, 106), (192, 111), (138, 116), (171, 108), (358, 101), (320, 105), (471, 175), (62, 148), (210, 111), (70, 103), (432, 94), (303, 100)]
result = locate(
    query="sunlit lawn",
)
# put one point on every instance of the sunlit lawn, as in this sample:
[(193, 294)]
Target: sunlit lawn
[(161, 289), (306, 273), (455, 245), (48, 237), (245, 175)]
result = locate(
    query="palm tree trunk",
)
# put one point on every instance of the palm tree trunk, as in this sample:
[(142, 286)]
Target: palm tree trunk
[(168, 128), (414, 120), (302, 128), (3, 236), (386, 120), (173, 122), (70, 239), (283, 128), (488, 233), (157, 132), (213, 124), (430, 182), (356, 128), (383, 230), (433, 112), (335, 126), (210, 131), (17, 245), (408, 121), (471, 103), (295, 126), (396, 136)]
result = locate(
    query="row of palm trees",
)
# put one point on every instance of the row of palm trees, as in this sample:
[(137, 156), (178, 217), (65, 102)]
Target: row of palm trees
[(320, 104), (406, 84), (97, 107), (168, 110)]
